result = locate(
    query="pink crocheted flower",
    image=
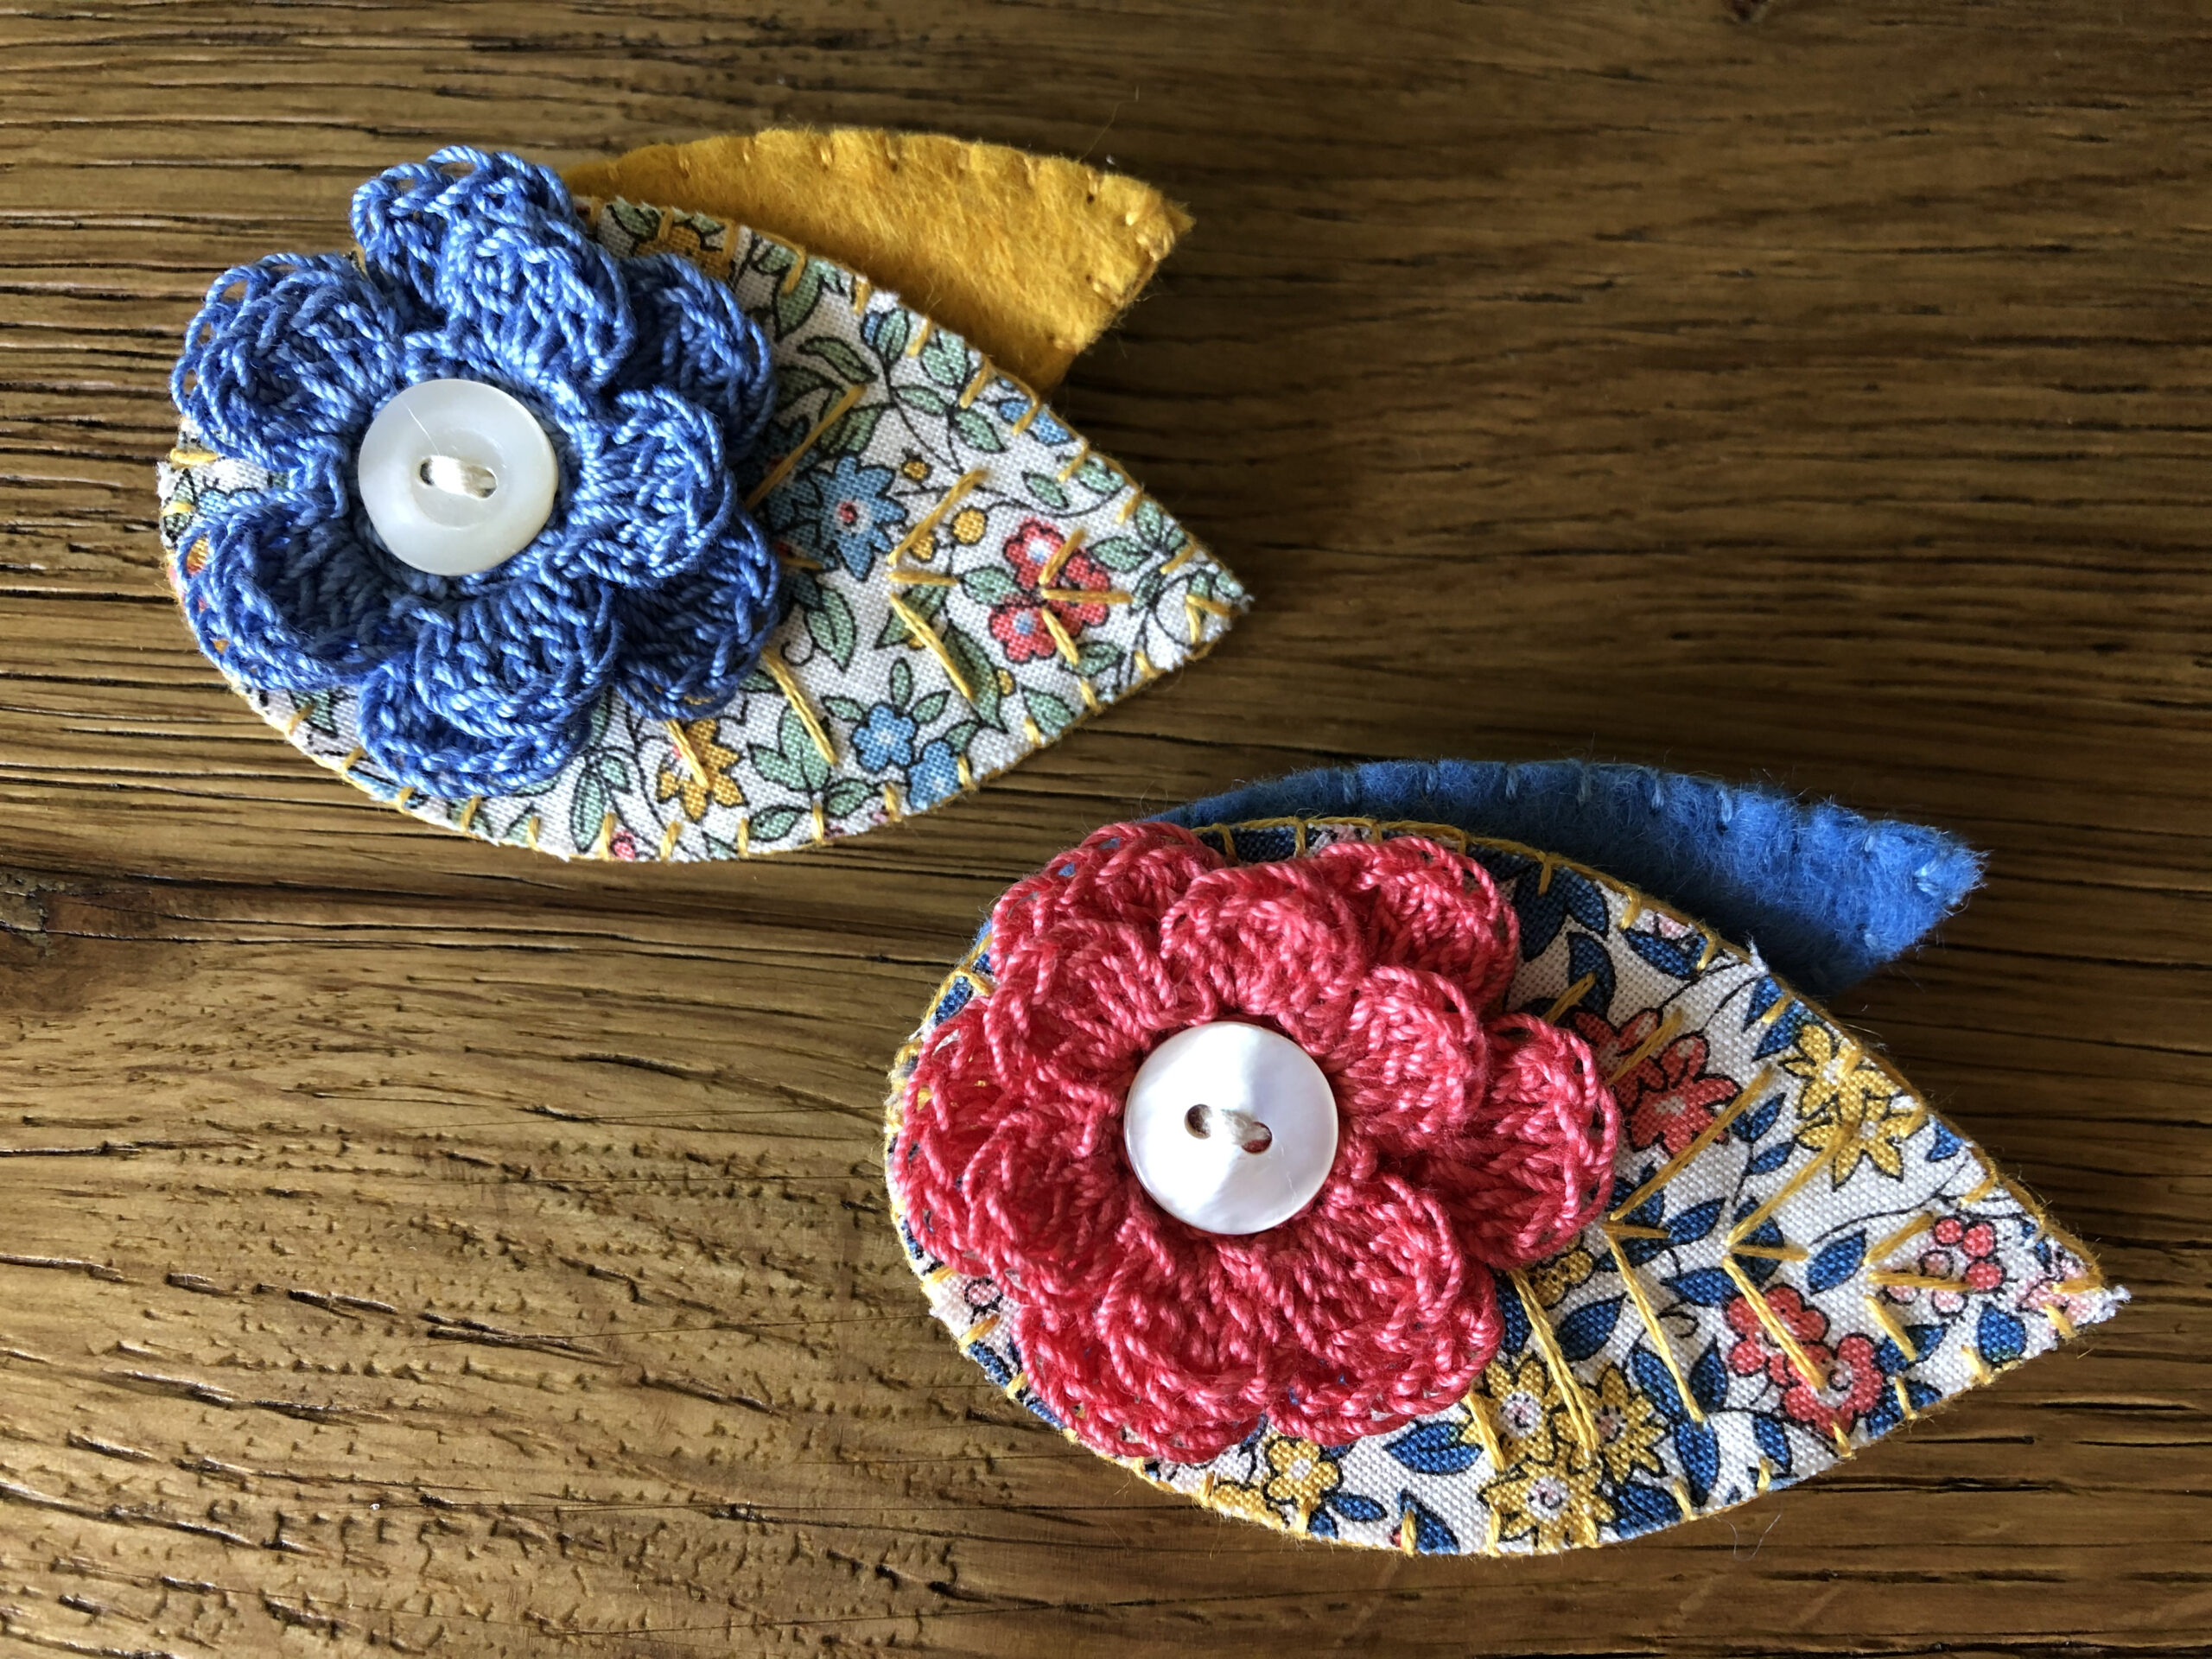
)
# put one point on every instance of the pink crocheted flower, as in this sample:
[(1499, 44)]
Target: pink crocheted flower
[(1469, 1140)]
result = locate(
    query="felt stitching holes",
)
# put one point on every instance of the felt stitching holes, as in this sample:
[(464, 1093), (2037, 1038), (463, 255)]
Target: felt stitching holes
[(1469, 1140), (478, 671)]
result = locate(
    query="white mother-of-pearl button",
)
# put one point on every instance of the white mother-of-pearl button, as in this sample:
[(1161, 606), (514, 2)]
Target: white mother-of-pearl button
[(1231, 1127), (457, 476)]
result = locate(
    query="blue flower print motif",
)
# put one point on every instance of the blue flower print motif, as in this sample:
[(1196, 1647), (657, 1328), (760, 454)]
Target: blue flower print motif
[(884, 741), (649, 578), (846, 513), (935, 776)]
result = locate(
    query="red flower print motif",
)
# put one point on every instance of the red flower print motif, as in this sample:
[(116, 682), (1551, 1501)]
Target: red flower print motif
[(1851, 1376), (622, 844), (1668, 1097), (1965, 1256), (1022, 633), (1755, 1351), (1851, 1381), (1610, 1046), (1469, 1140), (1018, 624)]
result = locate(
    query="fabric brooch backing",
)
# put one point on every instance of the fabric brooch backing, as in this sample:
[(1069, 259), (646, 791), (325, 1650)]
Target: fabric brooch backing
[(924, 575), (1786, 1254)]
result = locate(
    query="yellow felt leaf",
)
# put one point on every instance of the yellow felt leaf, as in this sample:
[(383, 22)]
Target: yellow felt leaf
[(1029, 257)]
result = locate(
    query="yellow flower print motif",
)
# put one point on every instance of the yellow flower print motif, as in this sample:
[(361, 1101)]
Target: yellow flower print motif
[(700, 769), (1849, 1107), (1524, 1406), (1552, 1280), (1303, 1475), (1554, 1497), (1235, 1497), (968, 525), (1628, 1427)]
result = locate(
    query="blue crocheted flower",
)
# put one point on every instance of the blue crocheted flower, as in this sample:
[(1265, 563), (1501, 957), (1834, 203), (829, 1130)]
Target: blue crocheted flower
[(650, 578)]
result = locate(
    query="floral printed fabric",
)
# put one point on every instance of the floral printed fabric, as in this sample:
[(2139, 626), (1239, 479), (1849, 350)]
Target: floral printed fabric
[(968, 580), (1798, 1257)]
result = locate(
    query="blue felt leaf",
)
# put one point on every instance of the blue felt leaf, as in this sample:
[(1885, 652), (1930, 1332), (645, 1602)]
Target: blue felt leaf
[(1772, 1159), (1355, 1506), (1773, 1438), (1430, 1535), (1836, 1262), (1999, 1337), (1513, 1316), (1656, 1382), (1709, 1379), (1586, 956), (1639, 1507), (1584, 902), (1698, 1448), (1694, 1223), (1583, 1332), (1706, 1287), (1433, 1449), (1669, 957)]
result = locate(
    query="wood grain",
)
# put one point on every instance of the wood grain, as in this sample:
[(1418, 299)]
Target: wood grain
[(407, 1245)]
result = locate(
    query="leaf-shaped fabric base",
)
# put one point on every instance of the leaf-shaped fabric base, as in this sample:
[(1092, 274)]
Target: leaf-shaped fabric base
[(941, 628), (1800, 1256)]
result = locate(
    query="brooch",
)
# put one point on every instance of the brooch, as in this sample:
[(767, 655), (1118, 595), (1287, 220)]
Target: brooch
[(1392, 1157), (617, 528)]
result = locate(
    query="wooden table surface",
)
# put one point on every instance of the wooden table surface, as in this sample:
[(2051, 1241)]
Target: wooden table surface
[(409, 1245)]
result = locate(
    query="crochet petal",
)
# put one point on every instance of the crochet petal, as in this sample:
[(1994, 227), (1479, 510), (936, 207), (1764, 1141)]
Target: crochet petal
[(411, 740), (532, 288), (690, 642), (1538, 1166), (1427, 906), (1412, 1063), (281, 589), (656, 496), (1276, 940), (518, 664), (1032, 1188), (287, 355), (1132, 873), (1086, 1001), (402, 216), (694, 337), (1355, 1317)]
